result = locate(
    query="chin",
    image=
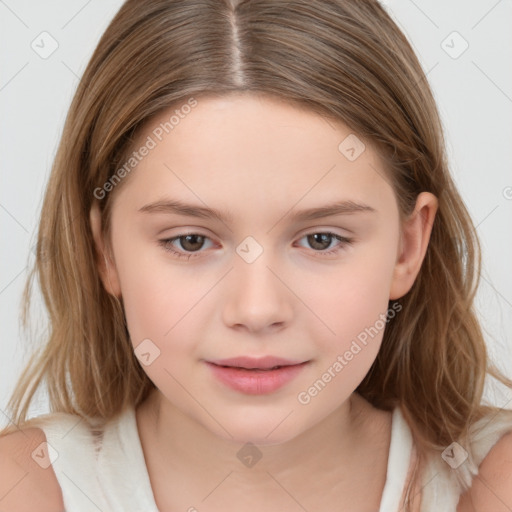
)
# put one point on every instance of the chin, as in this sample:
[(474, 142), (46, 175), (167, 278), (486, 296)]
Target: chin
[(266, 430)]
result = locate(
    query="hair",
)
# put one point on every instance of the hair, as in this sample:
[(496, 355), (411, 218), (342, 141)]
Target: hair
[(345, 60)]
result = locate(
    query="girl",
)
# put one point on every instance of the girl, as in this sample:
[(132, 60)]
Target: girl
[(259, 276)]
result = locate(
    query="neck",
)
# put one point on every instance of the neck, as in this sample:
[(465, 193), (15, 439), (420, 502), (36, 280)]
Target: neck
[(335, 451)]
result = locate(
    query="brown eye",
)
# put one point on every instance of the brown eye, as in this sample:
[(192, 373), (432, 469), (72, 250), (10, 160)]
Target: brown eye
[(325, 243), (320, 241), (191, 242), (186, 246)]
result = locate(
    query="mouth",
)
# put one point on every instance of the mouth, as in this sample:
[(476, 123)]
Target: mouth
[(253, 369), (259, 378), (265, 363)]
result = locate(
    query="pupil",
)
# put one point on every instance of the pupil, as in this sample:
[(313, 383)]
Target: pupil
[(192, 242), (319, 240)]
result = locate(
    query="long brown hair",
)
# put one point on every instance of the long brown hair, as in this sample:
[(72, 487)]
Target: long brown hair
[(345, 60)]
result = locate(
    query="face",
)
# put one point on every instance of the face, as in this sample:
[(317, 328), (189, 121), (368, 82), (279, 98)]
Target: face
[(297, 258)]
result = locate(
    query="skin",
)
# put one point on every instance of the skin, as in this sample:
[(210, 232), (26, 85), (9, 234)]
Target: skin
[(261, 160)]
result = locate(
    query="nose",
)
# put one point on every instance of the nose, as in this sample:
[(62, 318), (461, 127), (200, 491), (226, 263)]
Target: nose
[(256, 300)]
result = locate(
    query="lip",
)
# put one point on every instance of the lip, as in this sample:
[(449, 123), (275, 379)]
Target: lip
[(256, 381), (262, 363)]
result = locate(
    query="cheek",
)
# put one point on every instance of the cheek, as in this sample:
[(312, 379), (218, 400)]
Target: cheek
[(164, 312), (159, 298), (351, 302), (160, 305)]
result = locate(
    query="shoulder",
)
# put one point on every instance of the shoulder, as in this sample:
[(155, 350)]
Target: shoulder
[(25, 484), (491, 488)]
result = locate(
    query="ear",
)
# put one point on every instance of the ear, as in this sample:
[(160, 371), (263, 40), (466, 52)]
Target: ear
[(105, 264), (414, 238)]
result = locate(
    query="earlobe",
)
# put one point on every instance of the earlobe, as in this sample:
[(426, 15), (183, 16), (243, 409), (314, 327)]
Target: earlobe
[(104, 264), (415, 237)]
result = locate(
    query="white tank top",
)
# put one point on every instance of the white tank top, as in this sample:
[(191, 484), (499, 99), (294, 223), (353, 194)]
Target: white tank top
[(104, 470)]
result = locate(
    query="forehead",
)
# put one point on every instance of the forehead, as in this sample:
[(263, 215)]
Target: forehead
[(244, 127), (251, 146)]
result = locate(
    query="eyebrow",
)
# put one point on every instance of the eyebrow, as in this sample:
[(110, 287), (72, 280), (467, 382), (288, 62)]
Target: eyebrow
[(180, 208)]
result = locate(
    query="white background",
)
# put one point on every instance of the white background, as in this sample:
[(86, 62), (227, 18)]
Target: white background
[(473, 91)]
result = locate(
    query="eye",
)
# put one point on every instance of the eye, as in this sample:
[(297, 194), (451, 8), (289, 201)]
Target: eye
[(322, 241), (190, 243)]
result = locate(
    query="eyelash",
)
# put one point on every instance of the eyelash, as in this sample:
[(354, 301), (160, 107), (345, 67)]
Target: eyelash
[(166, 244)]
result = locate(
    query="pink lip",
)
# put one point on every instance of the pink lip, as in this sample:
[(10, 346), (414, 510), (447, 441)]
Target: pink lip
[(258, 381), (248, 362)]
